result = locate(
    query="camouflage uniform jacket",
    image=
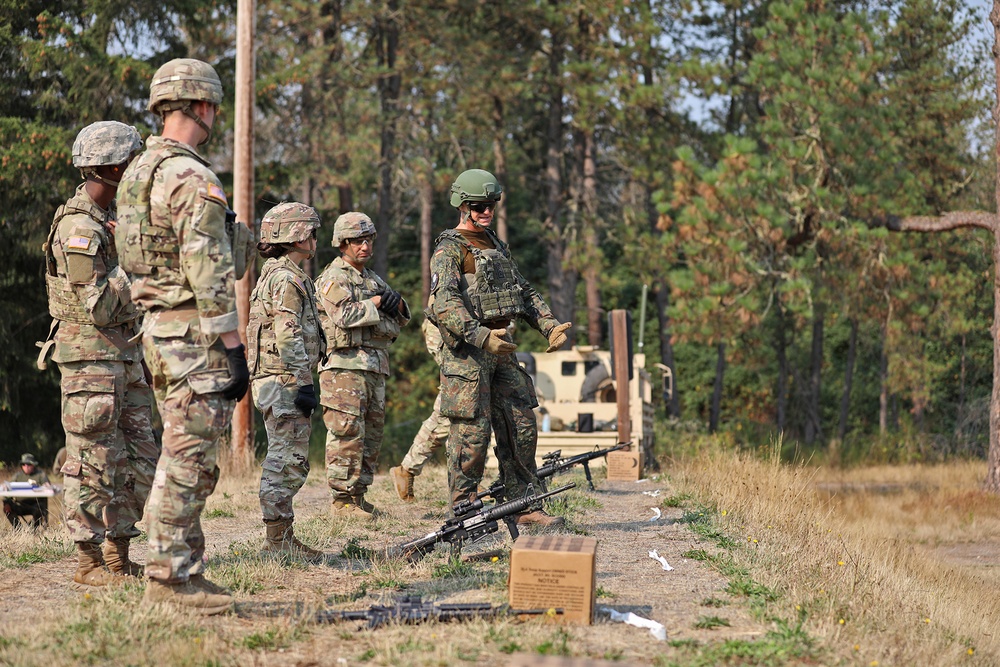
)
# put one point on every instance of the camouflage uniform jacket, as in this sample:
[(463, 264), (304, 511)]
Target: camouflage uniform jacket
[(88, 292), (448, 307), (283, 335), (187, 208), (358, 334)]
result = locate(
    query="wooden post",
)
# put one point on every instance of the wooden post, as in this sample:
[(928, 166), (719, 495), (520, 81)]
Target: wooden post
[(619, 333), (243, 203)]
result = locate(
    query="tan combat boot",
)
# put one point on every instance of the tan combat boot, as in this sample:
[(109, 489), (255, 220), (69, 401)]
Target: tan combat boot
[(350, 508), (116, 558), (281, 540), (90, 569), (204, 584), (402, 479), (189, 595), (540, 518)]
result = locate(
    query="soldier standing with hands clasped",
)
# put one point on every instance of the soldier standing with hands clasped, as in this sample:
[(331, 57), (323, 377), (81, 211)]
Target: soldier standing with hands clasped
[(361, 316), (285, 343), (175, 238), (106, 399), (476, 292)]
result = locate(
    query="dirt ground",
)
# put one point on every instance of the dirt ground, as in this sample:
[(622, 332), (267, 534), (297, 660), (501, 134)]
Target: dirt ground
[(270, 597)]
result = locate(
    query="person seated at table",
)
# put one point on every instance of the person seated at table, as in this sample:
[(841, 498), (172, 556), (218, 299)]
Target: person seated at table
[(36, 508)]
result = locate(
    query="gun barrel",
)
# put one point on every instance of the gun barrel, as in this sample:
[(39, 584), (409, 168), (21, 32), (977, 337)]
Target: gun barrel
[(521, 504), (553, 467)]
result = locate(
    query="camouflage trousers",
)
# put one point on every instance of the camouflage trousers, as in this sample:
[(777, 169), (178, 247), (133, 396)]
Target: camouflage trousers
[(187, 378), (433, 435), (354, 414), (286, 465), (111, 451), (480, 391)]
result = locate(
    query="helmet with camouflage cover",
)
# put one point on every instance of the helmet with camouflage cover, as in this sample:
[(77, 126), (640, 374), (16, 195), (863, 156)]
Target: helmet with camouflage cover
[(475, 185), (182, 81), (351, 226), (107, 142), (288, 222)]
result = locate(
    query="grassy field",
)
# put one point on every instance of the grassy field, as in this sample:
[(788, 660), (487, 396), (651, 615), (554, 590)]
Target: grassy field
[(777, 565)]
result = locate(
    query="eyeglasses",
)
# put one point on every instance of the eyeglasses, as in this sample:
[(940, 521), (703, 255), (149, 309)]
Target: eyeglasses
[(358, 242), (482, 206)]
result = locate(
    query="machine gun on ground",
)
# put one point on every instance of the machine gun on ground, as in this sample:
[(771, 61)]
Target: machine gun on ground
[(554, 464), (474, 525), (411, 609)]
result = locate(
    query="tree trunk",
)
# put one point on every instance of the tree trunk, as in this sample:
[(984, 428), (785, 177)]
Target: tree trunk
[(814, 430), (720, 372), (386, 47), (883, 395), (592, 272), (499, 164), (426, 190), (781, 350), (992, 482), (562, 280), (845, 399)]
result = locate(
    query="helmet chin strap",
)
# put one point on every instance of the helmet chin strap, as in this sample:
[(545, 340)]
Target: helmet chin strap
[(188, 111), (91, 173), (467, 215)]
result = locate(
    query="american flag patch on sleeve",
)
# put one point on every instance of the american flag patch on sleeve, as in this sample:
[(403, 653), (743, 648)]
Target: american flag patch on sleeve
[(79, 242), (217, 193)]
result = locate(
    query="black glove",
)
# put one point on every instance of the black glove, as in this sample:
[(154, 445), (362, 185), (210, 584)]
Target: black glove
[(390, 302), (305, 400), (239, 374)]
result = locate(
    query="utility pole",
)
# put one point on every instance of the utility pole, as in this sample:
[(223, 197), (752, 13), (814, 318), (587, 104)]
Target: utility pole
[(243, 203)]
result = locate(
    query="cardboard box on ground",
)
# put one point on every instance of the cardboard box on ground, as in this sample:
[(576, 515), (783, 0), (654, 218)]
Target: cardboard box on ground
[(554, 571), (625, 466)]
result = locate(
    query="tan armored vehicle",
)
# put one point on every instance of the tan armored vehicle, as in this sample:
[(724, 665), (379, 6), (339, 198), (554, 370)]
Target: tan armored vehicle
[(577, 400)]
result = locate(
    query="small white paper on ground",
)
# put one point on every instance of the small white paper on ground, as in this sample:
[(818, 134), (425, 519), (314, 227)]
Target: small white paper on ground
[(652, 494), (640, 481), (655, 629), (663, 561), (656, 514)]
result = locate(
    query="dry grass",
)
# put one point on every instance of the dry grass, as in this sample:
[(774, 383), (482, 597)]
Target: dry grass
[(850, 563)]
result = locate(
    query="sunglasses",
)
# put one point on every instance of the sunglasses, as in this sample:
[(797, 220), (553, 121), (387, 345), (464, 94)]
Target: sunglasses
[(482, 206)]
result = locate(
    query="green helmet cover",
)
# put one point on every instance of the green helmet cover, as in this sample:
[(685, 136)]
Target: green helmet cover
[(181, 81), (475, 185)]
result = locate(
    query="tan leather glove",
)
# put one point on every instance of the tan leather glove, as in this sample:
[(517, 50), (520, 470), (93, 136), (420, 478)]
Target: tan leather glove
[(557, 337), (496, 344)]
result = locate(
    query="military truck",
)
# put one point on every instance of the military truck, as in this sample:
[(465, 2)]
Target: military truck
[(577, 399)]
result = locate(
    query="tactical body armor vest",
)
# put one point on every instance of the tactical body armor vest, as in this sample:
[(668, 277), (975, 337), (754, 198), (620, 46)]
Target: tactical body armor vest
[(146, 241), (492, 293), (263, 356), (64, 305), (377, 336)]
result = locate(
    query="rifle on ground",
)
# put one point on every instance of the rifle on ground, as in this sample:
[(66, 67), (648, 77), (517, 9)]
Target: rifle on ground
[(410, 610), (474, 525), (554, 464)]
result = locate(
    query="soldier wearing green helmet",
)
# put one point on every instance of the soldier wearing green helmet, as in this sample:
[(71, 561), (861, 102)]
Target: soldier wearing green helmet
[(106, 398), (285, 343), (176, 240), (361, 316), (476, 294)]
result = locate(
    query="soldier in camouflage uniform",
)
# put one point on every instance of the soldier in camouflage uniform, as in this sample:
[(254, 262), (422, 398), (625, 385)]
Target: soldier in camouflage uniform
[(433, 433), (476, 292), (106, 399), (177, 239), (285, 344), (361, 316)]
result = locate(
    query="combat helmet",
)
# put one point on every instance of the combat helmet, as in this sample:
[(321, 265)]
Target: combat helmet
[(288, 222), (352, 225), (180, 82), (475, 185), (105, 143)]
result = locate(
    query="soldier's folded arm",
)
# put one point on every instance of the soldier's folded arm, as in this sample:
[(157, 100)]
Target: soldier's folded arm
[(449, 308), (343, 310)]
